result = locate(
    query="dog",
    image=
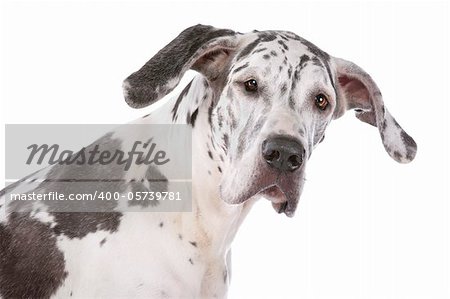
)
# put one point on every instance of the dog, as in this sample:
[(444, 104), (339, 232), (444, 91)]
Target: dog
[(260, 104)]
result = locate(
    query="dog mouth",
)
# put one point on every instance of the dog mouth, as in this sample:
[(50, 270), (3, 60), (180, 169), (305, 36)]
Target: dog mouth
[(277, 197), (283, 190)]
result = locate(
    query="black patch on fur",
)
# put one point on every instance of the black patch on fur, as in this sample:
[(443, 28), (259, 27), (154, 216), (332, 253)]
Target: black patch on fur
[(267, 36), (291, 101), (102, 242), (316, 61), (266, 56), (410, 144), (161, 224), (283, 44), (226, 141), (303, 60), (210, 111), (157, 183), (192, 118), (219, 169), (31, 265), (210, 155), (150, 82), (315, 50), (240, 68), (248, 49), (179, 99), (16, 184), (190, 261), (290, 71), (259, 50), (283, 88), (78, 225), (193, 243), (63, 179)]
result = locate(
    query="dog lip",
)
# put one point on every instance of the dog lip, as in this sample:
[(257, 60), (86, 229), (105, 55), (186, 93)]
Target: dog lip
[(283, 207), (274, 194)]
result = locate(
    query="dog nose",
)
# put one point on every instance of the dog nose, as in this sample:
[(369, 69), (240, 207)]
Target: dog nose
[(283, 153)]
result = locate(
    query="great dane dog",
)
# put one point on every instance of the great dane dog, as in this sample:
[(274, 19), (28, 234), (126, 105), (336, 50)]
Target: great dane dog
[(258, 107)]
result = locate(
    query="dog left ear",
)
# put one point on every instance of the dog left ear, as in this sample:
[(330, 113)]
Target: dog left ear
[(356, 90), (202, 48)]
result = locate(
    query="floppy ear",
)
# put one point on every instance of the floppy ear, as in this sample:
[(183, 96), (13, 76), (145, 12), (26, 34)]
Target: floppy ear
[(202, 48), (356, 90)]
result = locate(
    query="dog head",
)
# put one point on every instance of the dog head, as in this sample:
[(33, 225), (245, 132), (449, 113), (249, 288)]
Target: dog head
[(274, 96)]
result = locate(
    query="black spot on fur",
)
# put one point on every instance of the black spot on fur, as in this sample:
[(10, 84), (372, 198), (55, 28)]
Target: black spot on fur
[(303, 60), (190, 261), (192, 118), (273, 53), (193, 243), (219, 169), (16, 184), (210, 111), (291, 101), (283, 44), (161, 224), (179, 99), (315, 50), (78, 225), (248, 49), (31, 265), (316, 61), (290, 71), (157, 182), (267, 36), (283, 88), (410, 144), (102, 242), (259, 50), (265, 56), (210, 155), (240, 68), (226, 141), (180, 237)]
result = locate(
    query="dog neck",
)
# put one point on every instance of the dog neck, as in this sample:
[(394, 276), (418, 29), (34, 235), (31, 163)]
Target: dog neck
[(213, 221)]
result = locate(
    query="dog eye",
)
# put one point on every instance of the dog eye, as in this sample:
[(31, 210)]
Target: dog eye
[(321, 101), (251, 85)]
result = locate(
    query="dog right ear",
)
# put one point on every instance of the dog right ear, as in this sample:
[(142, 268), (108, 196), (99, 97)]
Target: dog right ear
[(202, 48)]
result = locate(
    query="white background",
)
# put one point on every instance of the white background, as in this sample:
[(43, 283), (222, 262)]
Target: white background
[(366, 227)]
